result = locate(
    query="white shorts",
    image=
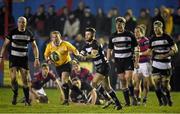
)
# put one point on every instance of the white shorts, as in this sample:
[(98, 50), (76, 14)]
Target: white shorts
[(41, 92), (144, 69)]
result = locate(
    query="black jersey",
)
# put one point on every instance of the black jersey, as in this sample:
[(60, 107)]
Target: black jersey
[(123, 44), (19, 42), (161, 45), (100, 57)]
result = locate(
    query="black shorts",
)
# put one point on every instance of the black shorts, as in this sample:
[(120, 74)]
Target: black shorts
[(122, 65), (103, 69), (63, 68), (166, 72), (86, 87), (19, 62)]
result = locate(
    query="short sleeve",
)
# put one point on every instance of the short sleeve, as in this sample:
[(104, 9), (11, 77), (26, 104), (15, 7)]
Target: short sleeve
[(32, 38), (110, 45), (95, 45), (134, 41), (150, 43), (9, 36), (170, 41)]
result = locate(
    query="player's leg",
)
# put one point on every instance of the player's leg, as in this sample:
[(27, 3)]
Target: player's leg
[(158, 86), (24, 74), (146, 71), (167, 87), (145, 89), (65, 86), (14, 84), (137, 86), (111, 92), (124, 84)]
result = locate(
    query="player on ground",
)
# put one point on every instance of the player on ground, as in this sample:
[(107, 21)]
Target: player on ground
[(39, 80), (93, 50), (123, 44), (143, 70), (18, 40), (58, 52), (162, 47)]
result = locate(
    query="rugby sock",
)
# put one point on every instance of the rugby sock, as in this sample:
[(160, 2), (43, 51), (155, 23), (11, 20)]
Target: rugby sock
[(168, 96), (114, 97), (65, 88), (159, 95), (26, 93), (126, 96), (131, 90), (15, 88), (103, 92), (136, 93)]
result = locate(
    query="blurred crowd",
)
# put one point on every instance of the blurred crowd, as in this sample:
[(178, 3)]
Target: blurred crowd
[(72, 24)]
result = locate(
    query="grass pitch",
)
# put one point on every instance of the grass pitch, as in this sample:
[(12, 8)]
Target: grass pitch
[(55, 105)]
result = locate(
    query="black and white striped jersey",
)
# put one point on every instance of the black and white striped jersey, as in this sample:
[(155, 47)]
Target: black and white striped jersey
[(100, 57), (123, 44), (161, 45), (19, 42)]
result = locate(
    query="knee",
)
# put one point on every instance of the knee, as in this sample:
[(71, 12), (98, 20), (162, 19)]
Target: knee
[(94, 84)]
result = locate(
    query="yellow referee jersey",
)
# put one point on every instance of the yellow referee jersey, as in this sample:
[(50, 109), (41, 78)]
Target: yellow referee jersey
[(64, 50)]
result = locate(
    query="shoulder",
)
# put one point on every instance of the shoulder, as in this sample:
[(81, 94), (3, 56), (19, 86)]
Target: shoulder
[(29, 32)]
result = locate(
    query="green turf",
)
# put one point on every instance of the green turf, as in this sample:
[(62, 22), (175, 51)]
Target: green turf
[(56, 107)]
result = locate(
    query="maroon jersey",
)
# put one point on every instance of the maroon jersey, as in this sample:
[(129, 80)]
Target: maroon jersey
[(84, 75), (144, 45), (39, 80)]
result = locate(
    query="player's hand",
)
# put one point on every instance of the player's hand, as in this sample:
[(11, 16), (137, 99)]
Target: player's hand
[(136, 65), (50, 61), (36, 63)]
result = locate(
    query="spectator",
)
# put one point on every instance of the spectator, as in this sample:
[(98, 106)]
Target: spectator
[(28, 15), (157, 16), (72, 26), (88, 20), (40, 18), (146, 20), (130, 22), (80, 11), (100, 22), (168, 21), (50, 20), (115, 14), (1, 21), (108, 23), (60, 21), (177, 22)]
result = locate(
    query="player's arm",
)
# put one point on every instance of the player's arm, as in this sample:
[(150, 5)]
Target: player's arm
[(109, 54), (110, 49), (35, 50), (137, 56), (6, 42), (93, 54), (148, 52), (47, 53), (72, 49), (36, 53), (173, 51)]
